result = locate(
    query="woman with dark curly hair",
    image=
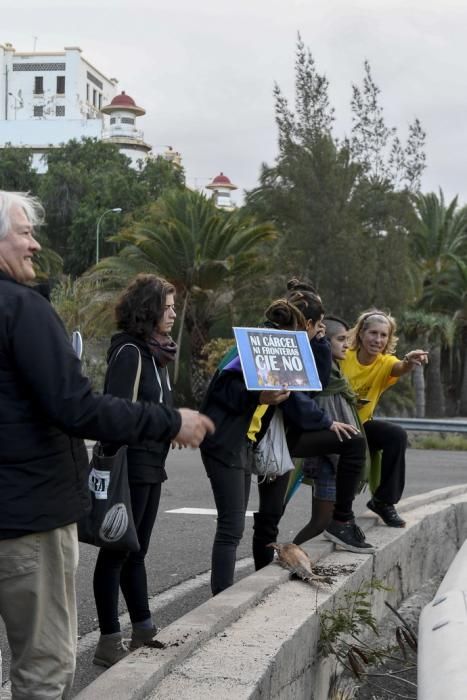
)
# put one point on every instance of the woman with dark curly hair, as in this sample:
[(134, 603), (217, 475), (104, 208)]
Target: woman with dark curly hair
[(145, 315)]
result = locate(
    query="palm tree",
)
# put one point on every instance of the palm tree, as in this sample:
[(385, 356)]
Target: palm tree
[(438, 245), (441, 334), (209, 255), (433, 331), (450, 293), (48, 263), (83, 306)]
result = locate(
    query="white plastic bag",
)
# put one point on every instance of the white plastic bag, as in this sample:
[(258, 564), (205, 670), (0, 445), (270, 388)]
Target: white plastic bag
[(271, 457)]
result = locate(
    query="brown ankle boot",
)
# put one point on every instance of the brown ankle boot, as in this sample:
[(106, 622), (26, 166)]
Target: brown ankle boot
[(110, 649), (141, 635)]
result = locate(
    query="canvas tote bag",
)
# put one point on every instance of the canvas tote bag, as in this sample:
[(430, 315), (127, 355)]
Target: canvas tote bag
[(110, 523)]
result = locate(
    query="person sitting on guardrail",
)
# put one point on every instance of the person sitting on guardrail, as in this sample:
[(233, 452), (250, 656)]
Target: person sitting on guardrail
[(371, 367), (311, 431), (272, 491), (309, 437), (339, 401), (47, 407)]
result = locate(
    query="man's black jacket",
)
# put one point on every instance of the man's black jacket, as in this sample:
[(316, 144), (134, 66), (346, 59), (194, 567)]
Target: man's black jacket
[(45, 404)]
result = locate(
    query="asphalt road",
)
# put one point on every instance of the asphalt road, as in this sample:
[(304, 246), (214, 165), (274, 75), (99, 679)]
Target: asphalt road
[(181, 543)]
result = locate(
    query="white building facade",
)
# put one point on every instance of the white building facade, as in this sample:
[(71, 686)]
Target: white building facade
[(49, 98), (46, 99)]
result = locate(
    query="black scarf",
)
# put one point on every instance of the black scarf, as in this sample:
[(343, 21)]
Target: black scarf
[(163, 347)]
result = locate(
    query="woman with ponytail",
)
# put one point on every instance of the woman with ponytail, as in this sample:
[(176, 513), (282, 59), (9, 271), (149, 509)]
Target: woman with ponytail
[(225, 453)]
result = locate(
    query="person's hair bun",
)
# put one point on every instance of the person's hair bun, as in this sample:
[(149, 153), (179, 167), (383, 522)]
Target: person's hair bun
[(292, 283), (296, 285), (282, 314)]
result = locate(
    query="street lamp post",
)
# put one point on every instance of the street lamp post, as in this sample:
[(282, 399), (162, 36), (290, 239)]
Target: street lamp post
[(116, 210), (17, 102)]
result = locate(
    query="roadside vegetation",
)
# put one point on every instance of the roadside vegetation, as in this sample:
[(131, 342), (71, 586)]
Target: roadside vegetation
[(383, 664), (438, 441)]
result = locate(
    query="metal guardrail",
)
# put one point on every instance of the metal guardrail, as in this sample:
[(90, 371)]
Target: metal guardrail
[(439, 425)]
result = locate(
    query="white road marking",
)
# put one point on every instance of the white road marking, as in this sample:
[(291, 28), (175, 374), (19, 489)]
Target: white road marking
[(202, 511)]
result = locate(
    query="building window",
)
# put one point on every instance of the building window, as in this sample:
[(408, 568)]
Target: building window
[(94, 98), (127, 120), (112, 120), (38, 85), (87, 92), (38, 111), (60, 111), (92, 79), (100, 100), (38, 66), (60, 84)]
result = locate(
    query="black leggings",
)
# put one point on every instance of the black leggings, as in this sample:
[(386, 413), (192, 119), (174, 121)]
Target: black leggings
[(392, 440), (351, 453), (272, 493), (231, 489), (127, 570)]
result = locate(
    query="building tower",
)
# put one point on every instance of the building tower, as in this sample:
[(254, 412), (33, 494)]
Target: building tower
[(172, 156), (122, 130), (221, 188)]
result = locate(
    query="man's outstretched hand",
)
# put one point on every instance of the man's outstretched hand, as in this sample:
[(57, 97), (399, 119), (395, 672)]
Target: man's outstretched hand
[(193, 429)]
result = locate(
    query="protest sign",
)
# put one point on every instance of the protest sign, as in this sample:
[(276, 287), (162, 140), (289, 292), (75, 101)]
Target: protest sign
[(272, 359)]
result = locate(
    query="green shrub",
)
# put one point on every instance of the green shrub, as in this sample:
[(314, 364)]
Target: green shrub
[(438, 441)]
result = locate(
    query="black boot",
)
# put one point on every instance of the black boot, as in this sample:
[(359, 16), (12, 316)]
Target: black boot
[(321, 516), (265, 532)]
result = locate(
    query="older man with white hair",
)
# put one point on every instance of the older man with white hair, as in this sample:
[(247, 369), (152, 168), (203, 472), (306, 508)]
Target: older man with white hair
[(46, 407)]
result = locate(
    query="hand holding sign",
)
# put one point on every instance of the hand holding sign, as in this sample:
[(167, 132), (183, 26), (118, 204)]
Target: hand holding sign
[(272, 398)]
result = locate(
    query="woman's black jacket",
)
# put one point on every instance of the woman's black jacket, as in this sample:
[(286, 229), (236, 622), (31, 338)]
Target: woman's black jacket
[(146, 460), (230, 406)]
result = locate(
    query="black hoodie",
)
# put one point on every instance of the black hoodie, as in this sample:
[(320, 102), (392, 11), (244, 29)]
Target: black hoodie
[(145, 460)]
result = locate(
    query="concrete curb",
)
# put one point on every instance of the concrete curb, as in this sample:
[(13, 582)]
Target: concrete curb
[(259, 638), (141, 671)]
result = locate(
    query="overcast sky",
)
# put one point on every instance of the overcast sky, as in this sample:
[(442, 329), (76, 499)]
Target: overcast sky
[(204, 70)]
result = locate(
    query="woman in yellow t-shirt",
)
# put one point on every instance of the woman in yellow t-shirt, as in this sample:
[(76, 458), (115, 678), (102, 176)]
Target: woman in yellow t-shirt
[(371, 367)]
